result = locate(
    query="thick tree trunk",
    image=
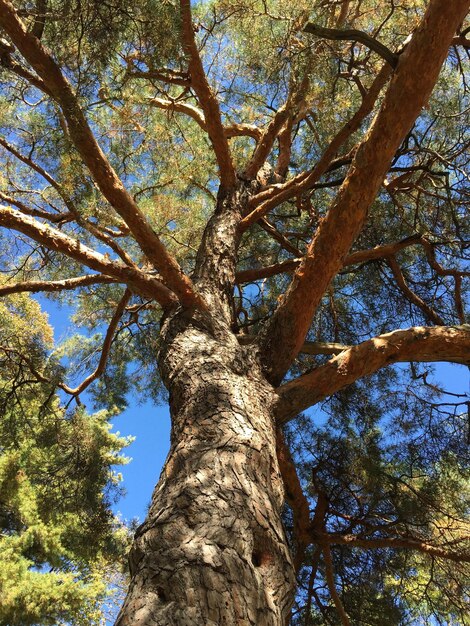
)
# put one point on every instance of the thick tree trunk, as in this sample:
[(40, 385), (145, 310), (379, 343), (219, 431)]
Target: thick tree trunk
[(213, 549)]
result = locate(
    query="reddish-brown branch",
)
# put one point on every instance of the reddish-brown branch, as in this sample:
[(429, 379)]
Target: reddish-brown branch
[(419, 343), (266, 142), (56, 240), (396, 542), (409, 90), (207, 100), (93, 157), (361, 256), (266, 200), (35, 286), (285, 149), (108, 341), (296, 500)]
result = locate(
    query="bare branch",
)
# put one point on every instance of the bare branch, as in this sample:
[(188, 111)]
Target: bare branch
[(361, 256), (232, 130), (330, 579), (266, 142), (411, 295), (266, 200), (397, 542), (419, 343), (296, 500)]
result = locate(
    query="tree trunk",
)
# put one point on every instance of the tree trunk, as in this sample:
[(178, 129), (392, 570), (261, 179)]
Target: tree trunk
[(213, 549)]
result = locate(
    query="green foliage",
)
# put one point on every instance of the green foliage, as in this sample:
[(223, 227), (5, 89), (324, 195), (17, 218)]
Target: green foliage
[(59, 545)]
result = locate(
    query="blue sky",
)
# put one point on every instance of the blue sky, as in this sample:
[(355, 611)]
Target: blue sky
[(150, 425)]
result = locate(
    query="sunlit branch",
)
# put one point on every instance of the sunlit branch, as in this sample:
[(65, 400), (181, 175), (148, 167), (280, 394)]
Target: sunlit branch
[(74, 213), (103, 173), (207, 100), (419, 344), (232, 130), (409, 90), (35, 286), (266, 142), (108, 341), (60, 242), (52, 217)]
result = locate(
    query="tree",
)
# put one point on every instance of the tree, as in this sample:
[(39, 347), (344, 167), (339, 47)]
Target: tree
[(270, 196), (59, 544)]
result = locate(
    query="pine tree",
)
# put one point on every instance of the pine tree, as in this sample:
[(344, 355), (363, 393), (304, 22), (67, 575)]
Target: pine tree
[(254, 208)]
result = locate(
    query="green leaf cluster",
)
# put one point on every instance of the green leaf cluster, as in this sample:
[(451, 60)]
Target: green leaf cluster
[(60, 545)]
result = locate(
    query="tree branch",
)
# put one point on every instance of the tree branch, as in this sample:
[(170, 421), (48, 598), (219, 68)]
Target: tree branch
[(108, 341), (361, 256), (207, 100), (35, 286), (419, 343), (103, 173), (409, 90), (396, 542), (330, 579), (56, 240), (354, 35), (266, 200), (296, 500), (411, 295), (232, 130)]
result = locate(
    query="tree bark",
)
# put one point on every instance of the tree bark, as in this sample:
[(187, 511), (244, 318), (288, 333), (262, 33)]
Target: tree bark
[(213, 549)]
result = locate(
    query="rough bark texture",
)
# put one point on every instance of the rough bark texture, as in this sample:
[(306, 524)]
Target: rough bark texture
[(213, 548)]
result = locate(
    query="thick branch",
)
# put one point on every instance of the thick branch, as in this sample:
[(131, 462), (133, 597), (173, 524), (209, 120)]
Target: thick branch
[(56, 240), (35, 286), (419, 343), (207, 100), (409, 90), (92, 155)]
